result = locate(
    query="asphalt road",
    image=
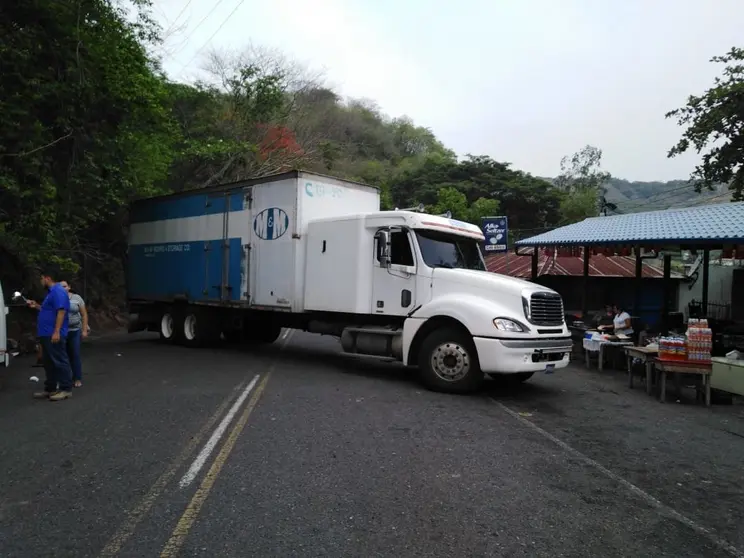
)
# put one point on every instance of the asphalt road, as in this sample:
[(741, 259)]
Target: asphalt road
[(310, 453)]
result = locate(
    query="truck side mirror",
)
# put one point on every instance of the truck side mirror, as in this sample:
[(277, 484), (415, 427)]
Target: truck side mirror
[(383, 248)]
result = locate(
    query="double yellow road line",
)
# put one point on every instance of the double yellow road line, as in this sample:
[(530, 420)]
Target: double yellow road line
[(189, 516)]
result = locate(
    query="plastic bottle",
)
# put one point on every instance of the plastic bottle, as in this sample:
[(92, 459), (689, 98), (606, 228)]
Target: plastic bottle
[(662, 348)]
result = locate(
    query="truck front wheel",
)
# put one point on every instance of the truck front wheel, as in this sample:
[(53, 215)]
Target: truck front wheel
[(448, 362)]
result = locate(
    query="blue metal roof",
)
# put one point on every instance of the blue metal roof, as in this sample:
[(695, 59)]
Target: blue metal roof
[(704, 224)]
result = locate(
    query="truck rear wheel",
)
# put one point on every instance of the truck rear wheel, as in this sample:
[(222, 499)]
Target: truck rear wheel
[(199, 328), (167, 327), (448, 362)]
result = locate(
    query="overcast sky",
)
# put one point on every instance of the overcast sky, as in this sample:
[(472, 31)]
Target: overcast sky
[(524, 81)]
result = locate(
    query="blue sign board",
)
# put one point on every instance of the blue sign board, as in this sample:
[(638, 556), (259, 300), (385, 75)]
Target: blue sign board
[(496, 231)]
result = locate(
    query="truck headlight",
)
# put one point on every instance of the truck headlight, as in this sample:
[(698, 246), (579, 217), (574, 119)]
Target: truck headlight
[(503, 324)]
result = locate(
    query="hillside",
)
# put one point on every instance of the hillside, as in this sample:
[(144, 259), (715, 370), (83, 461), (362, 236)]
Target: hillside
[(631, 197)]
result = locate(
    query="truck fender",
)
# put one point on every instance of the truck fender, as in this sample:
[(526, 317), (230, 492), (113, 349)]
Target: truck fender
[(473, 313)]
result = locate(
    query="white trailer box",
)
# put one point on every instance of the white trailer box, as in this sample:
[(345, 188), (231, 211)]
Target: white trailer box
[(239, 244), (280, 215)]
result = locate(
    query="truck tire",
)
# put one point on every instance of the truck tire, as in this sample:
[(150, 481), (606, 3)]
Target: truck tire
[(232, 335), (199, 328), (512, 379), (448, 362), (168, 327), (252, 334), (266, 334)]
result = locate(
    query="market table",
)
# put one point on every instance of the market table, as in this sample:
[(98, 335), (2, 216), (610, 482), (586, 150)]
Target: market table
[(683, 367), (598, 346), (646, 355)]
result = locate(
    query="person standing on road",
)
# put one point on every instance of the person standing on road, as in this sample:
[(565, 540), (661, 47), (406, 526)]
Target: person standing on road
[(51, 328), (77, 331)]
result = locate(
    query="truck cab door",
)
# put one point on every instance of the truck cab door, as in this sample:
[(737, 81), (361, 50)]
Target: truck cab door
[(393, 273)]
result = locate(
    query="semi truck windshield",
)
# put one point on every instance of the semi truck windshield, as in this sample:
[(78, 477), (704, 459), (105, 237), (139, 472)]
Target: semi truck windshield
[(449, 250)]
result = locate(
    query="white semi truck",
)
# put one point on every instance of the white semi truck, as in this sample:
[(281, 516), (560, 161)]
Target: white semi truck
[(305, 251)]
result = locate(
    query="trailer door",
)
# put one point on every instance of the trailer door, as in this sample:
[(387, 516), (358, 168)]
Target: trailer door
[(216, 246)]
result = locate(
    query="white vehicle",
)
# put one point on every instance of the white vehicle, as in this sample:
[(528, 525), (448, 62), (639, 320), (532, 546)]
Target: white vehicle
[(4, 354), (310, 252)]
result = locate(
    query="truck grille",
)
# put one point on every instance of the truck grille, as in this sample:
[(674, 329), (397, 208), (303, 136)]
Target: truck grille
[(546, 309)]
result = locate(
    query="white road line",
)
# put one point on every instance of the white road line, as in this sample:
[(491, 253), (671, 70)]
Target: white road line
[(208, 448), (653, 502)]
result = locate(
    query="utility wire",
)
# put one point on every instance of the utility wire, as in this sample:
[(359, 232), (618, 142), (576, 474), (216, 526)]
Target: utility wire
[(213, 34)]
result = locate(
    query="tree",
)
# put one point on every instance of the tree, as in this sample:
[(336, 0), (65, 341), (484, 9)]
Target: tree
[(716, 117), (84, 122), (582, 182), (483, 207), (578, 205), (528, 201), (449, 198)]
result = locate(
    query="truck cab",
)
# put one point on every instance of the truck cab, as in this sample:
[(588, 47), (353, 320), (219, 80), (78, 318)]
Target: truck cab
[(424, 275)]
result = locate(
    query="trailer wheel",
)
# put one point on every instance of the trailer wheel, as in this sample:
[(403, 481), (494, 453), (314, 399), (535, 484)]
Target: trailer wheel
[(198, 328), (448, 362), (167, 327), (233, 335)]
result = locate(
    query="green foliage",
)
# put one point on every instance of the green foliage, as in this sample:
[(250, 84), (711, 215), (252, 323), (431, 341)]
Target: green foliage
[(450, 198), (584, 185), (578, 205), (488, 187), (717, 117), (484, 207), (84, 120)]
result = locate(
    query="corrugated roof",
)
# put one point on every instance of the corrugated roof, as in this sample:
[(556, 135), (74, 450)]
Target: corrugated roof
[(722, 222), (547, 264)]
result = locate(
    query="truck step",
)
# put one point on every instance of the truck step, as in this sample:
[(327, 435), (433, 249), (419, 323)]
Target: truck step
[(373, 330)]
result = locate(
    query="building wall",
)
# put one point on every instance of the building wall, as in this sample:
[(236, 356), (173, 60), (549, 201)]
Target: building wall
[(609, 290), (719, 287)]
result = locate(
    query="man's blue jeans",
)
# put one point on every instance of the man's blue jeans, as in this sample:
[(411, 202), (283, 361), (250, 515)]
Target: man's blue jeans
[(56, 365), (73, 353)]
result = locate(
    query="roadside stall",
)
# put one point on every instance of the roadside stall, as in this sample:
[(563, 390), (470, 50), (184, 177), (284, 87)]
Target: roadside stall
[(603, 345), (649, 236)]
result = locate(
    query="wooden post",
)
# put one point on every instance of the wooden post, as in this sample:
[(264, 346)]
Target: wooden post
[(638, 282), (535, 255), (585, 294), (706, 279), (667, 284)]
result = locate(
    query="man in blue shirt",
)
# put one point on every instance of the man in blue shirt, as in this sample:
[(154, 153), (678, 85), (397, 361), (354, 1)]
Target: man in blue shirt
[(51, 328)]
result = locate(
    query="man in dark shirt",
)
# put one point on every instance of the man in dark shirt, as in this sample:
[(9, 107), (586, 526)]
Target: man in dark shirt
[(52, 332)]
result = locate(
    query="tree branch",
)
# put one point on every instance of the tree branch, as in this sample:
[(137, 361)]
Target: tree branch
[(26, 153)]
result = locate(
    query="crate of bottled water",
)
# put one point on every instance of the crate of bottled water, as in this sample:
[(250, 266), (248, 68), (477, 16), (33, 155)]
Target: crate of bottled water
[(699, 339)]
